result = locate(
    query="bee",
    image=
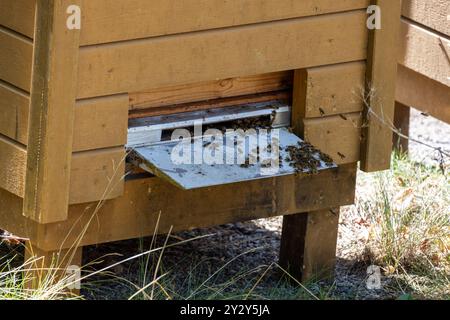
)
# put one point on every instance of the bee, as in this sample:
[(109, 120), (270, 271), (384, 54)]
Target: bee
[(322, 113), (341, 155)]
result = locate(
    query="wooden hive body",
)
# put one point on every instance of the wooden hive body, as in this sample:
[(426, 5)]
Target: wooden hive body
[(66, 97)]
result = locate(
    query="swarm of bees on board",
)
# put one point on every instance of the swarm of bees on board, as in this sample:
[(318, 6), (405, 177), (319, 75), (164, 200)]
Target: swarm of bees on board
[(301, 157)]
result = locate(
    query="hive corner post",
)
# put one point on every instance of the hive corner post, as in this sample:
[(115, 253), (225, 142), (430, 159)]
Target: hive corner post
[(51, 115), (401, 124), (380, 92), (325, 115), (308, 244)]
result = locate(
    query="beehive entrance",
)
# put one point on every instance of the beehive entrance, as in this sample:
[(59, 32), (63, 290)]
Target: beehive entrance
[(222, 146)]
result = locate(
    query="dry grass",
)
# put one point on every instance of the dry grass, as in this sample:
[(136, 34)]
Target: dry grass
[(408, 213)]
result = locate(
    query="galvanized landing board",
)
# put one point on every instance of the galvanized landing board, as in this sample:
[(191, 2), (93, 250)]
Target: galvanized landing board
[(159, 159)]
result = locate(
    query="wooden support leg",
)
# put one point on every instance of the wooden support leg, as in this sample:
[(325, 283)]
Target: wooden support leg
[(401, 122), (308, 244), (46, 268)]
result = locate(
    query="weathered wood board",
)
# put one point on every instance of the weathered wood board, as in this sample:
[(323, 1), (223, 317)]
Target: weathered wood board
[(91, 172), (216, 89), (98, 123), (376, 147), (18, 15), (430, 13), (425, 52), (219, 54), (121, 21), (16, 58), (416, 90), (136, 213)]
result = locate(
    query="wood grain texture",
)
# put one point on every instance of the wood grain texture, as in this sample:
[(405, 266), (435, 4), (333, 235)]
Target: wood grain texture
[(425, 52), (111, 20), (51, 118), (18, 15), (92, 174), (16, 58), (211, 104), (381, 76), (338, 136), (215, 89), (136, 213), (431, 13), (308, 244), (329, 90), (13, 158), (219, 54), (14, 108), (98, 123), (97, 175), (424, 94)]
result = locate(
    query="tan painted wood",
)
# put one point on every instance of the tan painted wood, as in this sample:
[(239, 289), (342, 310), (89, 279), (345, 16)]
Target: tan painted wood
[(308, 244), (111, 20), (16, 57), (92, 173), (14, 107), (99, 123), (338, 136), (136, 213), (424, 94), (97, 175), (431, 13), (381, 77), (51, 119), (219, 54), (18, 15), (215, 89), (329, 90), (12, 163), (425, 52)]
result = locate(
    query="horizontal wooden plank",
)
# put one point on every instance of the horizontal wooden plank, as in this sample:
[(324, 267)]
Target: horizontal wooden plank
[(111, 20), (211, 104), (91, 174), (332, 90), (337, 136), (14, 108), (18, 15), (13, 158), (97, 175), (215, 89), (425, 52), (99, 123), (431, 13), (219, 54), (424, 94), (136, 213), (16, 58)]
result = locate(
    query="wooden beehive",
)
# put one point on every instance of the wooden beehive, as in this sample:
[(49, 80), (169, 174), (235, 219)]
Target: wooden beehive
[(66, 97), (424, 61)]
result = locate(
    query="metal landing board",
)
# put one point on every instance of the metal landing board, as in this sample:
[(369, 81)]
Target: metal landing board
[(158, 159)]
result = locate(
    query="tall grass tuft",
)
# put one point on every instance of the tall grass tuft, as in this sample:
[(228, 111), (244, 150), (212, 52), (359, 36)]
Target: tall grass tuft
[(408, 209)]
